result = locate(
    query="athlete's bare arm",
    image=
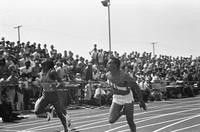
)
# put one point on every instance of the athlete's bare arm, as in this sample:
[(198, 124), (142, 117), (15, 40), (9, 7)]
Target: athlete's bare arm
[(135, 88)]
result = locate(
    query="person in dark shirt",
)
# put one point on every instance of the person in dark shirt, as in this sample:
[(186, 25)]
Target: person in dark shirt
[(50, 82)]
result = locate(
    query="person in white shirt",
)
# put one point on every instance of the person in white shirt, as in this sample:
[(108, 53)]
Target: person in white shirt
[(99, 95)]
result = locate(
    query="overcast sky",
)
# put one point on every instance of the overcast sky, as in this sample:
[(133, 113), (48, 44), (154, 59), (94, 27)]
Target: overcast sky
[(77, 24)]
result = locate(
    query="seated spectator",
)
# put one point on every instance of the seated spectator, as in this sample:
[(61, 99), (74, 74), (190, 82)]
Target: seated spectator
[(96, 75), (26, 70), (88, 92), (99, 96), (78, 78)]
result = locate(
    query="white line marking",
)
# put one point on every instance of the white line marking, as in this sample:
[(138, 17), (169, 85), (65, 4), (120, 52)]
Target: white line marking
[(5, 130), (142, 120), (162, 128), (164, 105), (185, 128), (44, 120), (153, 124), (46, 126), (105, 120), (154, 117)]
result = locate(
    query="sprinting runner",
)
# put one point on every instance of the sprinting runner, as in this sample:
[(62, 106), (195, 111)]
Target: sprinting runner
[(122, 86), (49, 81)]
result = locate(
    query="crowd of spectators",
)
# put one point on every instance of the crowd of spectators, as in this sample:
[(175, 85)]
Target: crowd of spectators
[(20, 65)]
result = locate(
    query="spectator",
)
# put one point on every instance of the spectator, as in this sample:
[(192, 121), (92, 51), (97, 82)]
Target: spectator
[(88, 92), (88, 72), (59, 69), (99, 95)]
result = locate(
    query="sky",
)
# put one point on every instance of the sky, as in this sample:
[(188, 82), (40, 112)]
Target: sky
[(76, 25)]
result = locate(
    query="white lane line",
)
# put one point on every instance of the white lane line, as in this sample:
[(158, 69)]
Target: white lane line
[(141, 120), (103, 114), (5, 130), (58, 124), (185, 128), (146, 112), (52, 122), (44, 120), (162, 128), (152, 124), (162, 122), (105, 120), (144, 118), (46, 126), (154, 117)]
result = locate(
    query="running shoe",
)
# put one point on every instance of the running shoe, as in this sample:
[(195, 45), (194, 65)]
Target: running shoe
[(50, 114), (68, 121)]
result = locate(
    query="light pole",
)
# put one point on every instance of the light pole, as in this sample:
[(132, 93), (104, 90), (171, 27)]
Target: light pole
[(18, 29), (106, 3), (153, 43)]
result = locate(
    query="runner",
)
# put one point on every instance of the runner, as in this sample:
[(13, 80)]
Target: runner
[(49, 82), (122, 86)]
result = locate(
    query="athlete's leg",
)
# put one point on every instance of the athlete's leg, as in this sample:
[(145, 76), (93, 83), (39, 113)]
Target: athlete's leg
[(129, 110), (115, 112), (61, 113), (40, 105)]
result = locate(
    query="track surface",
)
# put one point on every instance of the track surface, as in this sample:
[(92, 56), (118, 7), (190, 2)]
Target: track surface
[(177, 115)]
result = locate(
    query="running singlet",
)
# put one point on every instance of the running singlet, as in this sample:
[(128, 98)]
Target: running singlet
[(47, 83), (122, 99)]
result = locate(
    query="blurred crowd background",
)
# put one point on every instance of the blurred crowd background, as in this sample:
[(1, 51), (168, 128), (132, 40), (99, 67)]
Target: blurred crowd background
[(159, 76)]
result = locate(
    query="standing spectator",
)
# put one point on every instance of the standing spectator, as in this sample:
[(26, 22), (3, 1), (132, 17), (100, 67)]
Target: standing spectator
[(12, 84), (45, 51), (53, 52), (3, 66), (88, 72), (25, 73), (94, 56), (35, 74), (101, 59)]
